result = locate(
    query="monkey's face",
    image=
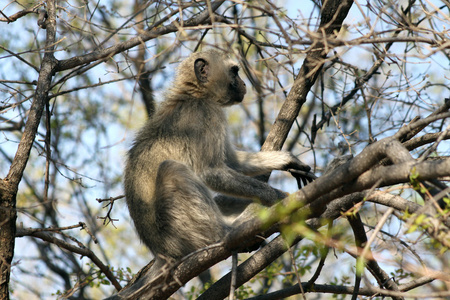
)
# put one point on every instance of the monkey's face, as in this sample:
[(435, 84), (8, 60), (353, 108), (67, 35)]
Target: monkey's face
[(236, 88), (228, 87), (218, 78)]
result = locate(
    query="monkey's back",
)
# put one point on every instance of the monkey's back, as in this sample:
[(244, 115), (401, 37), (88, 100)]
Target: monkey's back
[(188, 131)]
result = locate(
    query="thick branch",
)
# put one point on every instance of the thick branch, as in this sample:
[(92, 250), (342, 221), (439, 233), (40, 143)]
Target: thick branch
[(172, 277), (332, 15), (45, 77)]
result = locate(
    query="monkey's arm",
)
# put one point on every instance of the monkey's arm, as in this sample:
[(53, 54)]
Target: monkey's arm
[(258, 163), (230, 182)]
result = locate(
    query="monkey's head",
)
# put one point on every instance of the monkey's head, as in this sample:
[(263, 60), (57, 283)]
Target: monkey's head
[(211, 75)]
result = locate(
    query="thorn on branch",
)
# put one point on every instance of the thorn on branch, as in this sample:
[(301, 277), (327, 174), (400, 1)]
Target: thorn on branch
[(107, 219)]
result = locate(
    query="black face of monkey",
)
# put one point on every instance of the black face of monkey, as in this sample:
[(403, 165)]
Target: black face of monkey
[(236, 87)]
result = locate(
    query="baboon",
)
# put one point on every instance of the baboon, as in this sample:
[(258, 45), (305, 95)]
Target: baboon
[(183, 153)]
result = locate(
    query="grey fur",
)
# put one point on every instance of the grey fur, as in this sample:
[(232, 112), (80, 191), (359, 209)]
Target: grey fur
[(184, 151)]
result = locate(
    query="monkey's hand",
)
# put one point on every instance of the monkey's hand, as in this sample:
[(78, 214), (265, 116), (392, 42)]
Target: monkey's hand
[(301, 172), (294, 163), (302, 177)]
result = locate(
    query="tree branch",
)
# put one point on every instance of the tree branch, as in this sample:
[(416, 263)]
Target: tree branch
[(10, 185), (20, 14), (105, 54), (83, 251), (332, 15)]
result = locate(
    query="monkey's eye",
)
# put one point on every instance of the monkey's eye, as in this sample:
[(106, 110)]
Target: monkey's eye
[(234, 70)]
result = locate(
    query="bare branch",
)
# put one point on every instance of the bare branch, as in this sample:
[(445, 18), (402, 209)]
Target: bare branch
[(331, 21), (105, 54), (20, 14), (83, 251)]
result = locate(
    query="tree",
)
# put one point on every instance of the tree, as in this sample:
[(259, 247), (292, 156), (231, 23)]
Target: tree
[(327, 79)]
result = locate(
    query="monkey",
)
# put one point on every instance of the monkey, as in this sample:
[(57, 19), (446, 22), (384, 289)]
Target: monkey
[(183, 154)]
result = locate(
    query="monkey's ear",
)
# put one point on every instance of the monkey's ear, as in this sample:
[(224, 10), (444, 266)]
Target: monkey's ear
[(201, 68)]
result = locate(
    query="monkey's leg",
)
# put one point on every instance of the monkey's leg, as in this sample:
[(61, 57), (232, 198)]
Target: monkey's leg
[(227, 181), (187, 218), (236, 211), (232, 207)]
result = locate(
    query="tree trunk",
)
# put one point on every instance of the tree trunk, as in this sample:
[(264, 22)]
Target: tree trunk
[(10, 184), (7, 232)]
